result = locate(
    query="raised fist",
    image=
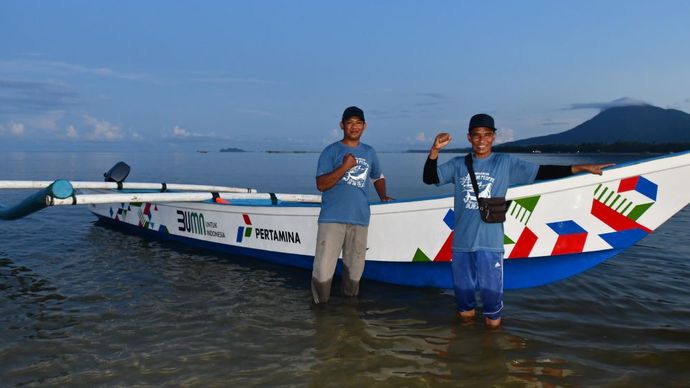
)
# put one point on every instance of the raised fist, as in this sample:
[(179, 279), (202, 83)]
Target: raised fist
[(349, 161), (441, 140)]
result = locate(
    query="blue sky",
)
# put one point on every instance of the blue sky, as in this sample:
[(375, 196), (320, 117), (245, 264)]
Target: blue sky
[(265, 75)]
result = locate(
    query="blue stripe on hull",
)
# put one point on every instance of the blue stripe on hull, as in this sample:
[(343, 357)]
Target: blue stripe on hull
[(518, 273)]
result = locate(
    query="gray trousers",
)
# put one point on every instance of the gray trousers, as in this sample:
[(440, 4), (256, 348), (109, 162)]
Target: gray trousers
[(331, 239)]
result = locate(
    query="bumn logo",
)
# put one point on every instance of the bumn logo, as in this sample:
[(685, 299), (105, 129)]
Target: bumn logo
[(191, 222)]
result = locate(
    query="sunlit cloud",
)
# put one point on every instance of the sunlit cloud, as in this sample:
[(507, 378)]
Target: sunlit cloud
[(72, 132), (180, 133), (47, 121), (16, 129), (504, 135), (102, 129), (422, 138)]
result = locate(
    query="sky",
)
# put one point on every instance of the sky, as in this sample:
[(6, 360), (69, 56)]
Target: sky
[(276, 75)]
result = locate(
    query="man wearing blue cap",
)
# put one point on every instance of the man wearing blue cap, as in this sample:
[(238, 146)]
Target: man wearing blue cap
[(342, 175), (478, 245)]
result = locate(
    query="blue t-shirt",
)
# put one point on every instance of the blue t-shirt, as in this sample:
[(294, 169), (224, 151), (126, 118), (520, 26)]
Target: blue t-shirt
[(495, 174), (348, 201)]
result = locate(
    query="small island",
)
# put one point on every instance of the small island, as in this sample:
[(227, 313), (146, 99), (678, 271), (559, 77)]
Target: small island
[(232, 149)]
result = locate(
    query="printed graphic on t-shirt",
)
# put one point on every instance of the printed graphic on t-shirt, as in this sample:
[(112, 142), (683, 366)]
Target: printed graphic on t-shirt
[(485, 183), (357, 175)]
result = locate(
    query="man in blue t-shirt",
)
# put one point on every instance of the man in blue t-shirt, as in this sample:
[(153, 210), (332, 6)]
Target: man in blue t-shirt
[(478, 246), (342, 175)]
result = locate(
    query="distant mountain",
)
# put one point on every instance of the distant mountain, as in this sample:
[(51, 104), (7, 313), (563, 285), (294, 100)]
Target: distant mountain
[(639, 124)]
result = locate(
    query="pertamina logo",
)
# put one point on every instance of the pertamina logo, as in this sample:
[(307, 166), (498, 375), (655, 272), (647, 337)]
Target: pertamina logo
[(264, 233)]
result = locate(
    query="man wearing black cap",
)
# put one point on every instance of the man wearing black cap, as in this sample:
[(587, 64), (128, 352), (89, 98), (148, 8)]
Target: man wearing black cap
[(477, 245), (342, 175)]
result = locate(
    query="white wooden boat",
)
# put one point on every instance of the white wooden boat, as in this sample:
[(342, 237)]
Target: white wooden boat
[(554, 229)]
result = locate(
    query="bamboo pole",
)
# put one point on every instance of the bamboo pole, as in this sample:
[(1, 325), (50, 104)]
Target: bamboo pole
[(87, 199), (35, 202), (7, 184)]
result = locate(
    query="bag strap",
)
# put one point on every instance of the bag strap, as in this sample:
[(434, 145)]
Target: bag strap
[(468, 163)]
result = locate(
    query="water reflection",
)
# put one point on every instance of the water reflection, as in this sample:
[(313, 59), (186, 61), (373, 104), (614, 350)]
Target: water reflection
[(359, 346)]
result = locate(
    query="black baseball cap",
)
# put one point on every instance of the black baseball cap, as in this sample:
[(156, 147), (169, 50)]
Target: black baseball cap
[(351, 112), (481, 120)]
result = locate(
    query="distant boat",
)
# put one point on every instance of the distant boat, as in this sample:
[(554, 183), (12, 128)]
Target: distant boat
[(554, 229), (202, 151)]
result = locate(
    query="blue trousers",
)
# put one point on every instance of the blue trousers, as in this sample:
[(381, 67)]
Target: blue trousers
[(478, 271)]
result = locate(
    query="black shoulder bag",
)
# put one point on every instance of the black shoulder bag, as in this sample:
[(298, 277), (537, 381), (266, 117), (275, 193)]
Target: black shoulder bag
[(491, 210)]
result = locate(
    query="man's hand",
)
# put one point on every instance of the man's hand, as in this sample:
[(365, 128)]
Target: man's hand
[(441, 140), (591, 168), (349, 161), (327, 181)]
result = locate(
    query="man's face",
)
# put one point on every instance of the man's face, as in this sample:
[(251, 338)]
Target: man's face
[(482, 139), (353, 128)]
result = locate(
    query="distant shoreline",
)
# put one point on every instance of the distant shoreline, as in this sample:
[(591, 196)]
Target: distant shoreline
[(585, 148)]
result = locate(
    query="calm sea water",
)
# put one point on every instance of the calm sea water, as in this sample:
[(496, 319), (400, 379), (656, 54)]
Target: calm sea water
[(86, 305)]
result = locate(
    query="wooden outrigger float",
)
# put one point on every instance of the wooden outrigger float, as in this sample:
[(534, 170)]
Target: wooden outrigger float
[(554, 229)]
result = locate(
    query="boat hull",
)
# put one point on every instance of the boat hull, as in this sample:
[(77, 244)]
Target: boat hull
[(554, 229)]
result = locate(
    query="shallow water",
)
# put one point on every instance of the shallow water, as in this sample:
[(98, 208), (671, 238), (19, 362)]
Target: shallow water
[(87, 305)]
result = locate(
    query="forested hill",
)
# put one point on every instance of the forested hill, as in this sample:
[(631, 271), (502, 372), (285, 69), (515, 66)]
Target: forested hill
[(631, 124)]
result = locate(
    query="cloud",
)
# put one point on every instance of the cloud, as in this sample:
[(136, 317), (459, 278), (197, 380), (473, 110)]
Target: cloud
[(102, 129), (58, 69), (48, 121), (504, 135), (422, 138), (17, 96), (16, 129), (550, 123), (624, 101), (180, 133), (232, 80), (177, 133), (435, 96), (72, 132), (437, 99)]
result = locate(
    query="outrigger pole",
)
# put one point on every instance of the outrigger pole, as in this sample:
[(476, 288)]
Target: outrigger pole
[(162, 187), (61, 192), (59, 189), (92, 199)]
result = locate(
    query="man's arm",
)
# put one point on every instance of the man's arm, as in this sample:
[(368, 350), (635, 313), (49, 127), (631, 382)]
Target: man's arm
[(553, 172), (327, 181), (380, 186), (430, 175), (590, 168)]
